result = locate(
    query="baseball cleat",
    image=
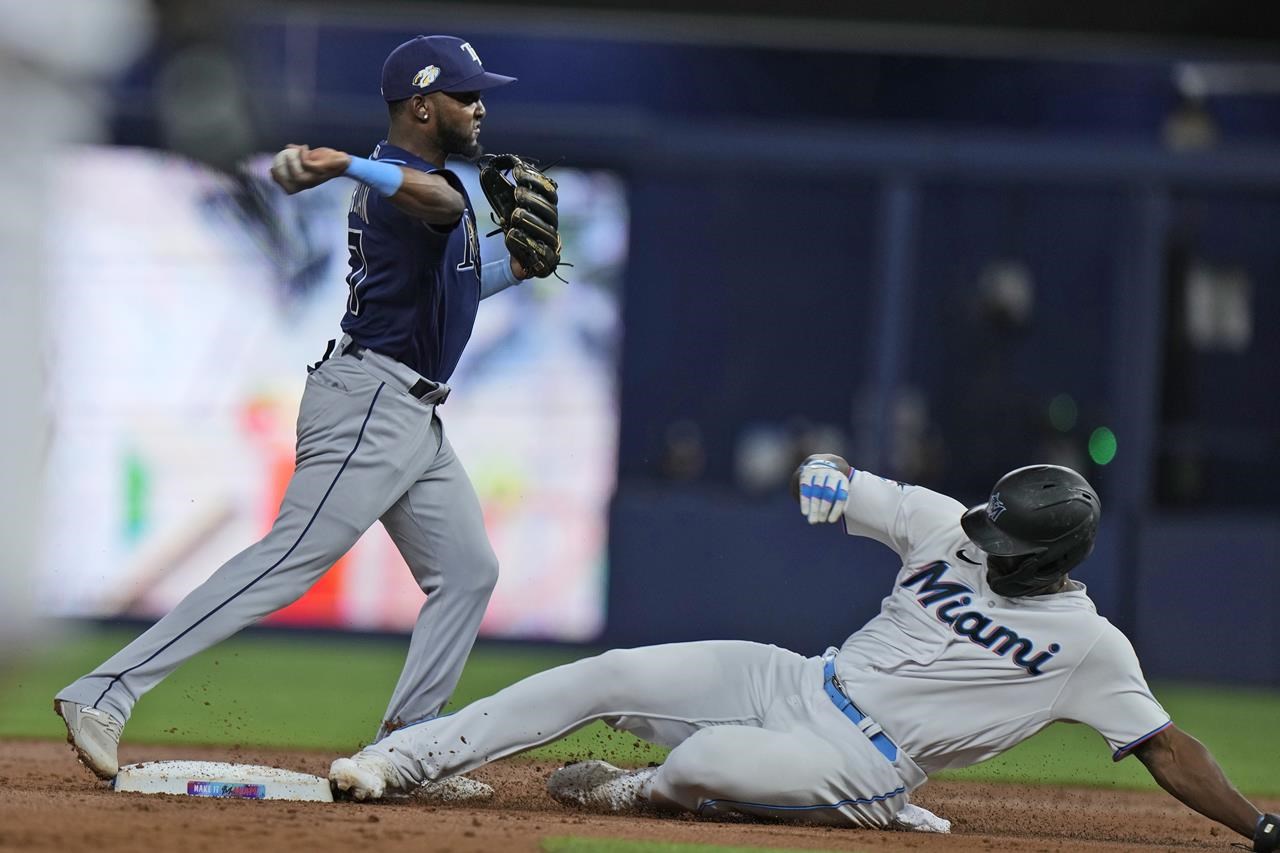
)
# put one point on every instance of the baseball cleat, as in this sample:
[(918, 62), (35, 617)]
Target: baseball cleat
[(453, 791), (913, 818), (93, 734), (363, 776), (599, 786)]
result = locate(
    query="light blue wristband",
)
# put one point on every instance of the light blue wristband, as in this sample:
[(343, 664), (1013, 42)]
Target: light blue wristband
[(385, 178), (496, 276)]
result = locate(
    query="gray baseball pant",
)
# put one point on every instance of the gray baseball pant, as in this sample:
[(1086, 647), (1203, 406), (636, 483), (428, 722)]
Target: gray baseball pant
[(367, 450), (751, 728)]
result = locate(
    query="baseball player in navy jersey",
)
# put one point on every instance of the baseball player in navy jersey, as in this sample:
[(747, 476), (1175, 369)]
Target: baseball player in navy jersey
[(982, 642), (371, 444)]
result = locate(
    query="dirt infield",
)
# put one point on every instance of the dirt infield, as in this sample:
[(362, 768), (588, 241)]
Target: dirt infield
[(49, 803)]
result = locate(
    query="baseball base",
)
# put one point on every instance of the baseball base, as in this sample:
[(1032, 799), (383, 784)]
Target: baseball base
[(223, 780)]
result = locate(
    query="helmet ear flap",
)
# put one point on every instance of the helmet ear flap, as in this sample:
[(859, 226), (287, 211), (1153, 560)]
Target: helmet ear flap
[(1042, 569), (1017, 576)]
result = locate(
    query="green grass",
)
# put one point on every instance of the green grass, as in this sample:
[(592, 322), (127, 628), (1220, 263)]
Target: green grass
[(329, 694), (282, 690), (578, 844), (1228, 720)]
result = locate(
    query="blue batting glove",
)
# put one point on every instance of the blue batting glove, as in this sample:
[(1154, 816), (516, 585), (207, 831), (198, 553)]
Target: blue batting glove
[(824, 491)]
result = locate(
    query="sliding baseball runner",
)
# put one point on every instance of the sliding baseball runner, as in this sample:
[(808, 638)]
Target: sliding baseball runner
[(982, 641)]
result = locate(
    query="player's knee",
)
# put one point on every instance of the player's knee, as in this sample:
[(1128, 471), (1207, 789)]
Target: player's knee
[(481, 574), (711, 763)]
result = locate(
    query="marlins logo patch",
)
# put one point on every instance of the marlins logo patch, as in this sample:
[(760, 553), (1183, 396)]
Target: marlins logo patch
[(995, 507), (426, 76)]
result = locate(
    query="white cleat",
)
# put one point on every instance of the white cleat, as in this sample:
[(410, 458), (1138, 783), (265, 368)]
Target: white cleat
[(363, 776), (93, 734), (913, 818), (599, 786), (455, 790)]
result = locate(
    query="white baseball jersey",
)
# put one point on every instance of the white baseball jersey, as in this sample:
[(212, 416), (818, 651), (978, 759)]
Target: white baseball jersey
[(957, 674)]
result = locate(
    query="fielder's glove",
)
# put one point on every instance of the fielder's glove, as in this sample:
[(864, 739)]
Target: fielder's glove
[(524, 208), (1266, 836), (824, 491)]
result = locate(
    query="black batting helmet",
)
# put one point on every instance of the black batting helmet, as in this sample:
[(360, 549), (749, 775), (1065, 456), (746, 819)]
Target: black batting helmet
[(1039, 524)]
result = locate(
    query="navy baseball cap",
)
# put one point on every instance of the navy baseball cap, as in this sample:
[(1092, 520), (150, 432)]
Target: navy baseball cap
[(435, 64)]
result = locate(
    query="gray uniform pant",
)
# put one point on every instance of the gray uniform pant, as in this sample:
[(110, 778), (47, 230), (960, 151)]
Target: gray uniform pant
[(751, 727), (367, 450)]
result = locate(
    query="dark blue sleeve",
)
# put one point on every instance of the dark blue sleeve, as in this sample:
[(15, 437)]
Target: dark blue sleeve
[(455, 182), (386, 217)]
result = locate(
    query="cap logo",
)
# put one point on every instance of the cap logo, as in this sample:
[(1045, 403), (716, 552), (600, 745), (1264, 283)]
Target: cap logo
[(426, 76), (995, 507), (471, 51)]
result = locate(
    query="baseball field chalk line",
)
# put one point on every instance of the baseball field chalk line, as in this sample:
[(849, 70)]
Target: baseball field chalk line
[(222, 780)]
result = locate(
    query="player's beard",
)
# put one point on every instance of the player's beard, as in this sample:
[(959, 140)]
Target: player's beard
[(457, 142)]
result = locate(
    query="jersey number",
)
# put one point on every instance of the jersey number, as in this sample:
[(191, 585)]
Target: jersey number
[(472, 249), (359, 269)]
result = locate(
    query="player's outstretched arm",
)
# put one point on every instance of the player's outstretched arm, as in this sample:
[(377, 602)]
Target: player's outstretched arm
[(297, 167), (1185, 768), (422, 195)]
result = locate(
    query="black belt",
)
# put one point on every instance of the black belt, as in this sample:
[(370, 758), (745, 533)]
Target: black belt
[(419, 389)]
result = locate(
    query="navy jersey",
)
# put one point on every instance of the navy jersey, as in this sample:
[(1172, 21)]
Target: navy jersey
[(414, 288)]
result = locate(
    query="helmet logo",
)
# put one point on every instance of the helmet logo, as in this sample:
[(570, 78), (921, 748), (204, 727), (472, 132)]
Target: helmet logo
[(426, 76), (995, 507)]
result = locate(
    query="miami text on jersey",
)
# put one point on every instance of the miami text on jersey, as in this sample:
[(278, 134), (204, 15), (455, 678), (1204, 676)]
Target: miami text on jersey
[(950, 596)]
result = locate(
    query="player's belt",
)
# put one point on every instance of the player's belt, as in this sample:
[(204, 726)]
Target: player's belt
[(423, 389), (868, 726)]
